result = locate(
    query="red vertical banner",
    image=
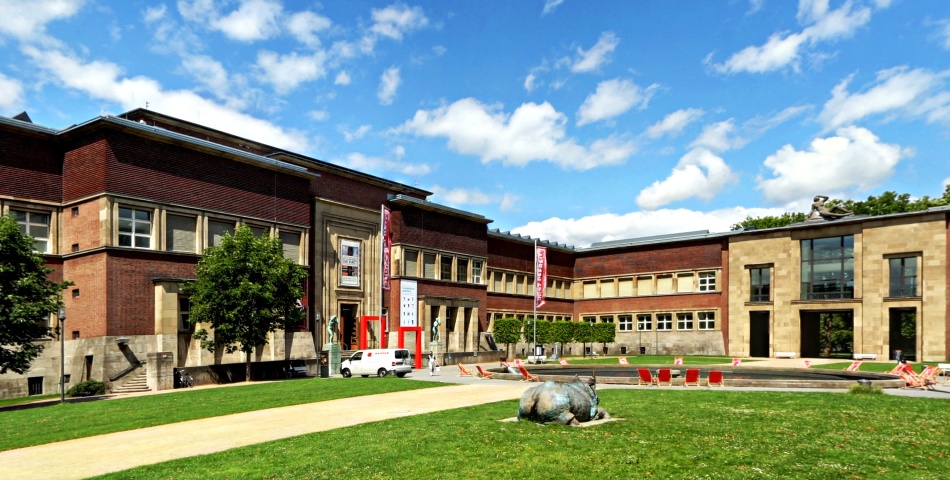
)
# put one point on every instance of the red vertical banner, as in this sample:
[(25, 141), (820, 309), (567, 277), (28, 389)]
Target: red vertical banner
[(387, 248), (540, 275)]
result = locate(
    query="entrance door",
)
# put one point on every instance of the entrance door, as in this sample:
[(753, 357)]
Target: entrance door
[(758, 334), (349, 326), (828, 334), (903, 337)]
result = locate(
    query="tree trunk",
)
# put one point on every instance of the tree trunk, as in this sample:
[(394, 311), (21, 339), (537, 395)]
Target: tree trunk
[(247, 366)]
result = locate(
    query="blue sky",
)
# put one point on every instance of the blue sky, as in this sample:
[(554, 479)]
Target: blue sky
[(568, 120)]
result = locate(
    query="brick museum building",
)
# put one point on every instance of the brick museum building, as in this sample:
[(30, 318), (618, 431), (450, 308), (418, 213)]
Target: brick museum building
[(124, 205)]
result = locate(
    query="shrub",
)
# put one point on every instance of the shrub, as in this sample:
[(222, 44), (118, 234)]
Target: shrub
[(859, 389), (87, 389)]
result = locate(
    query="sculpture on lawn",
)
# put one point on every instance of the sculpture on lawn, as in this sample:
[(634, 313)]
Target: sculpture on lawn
[(566, 403)]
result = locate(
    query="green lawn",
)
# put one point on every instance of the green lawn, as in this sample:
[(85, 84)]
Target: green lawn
[(54, 423), (654, 360), (665, 434)]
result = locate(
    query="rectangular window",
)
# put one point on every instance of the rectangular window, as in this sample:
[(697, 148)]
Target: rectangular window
[(135, 228), (216, 231), (259, 231), (412, 263), (606, 319), (707, 281), (476, 272), (519, 284), (625, 287), (180, 233), (590, 289), (428, 265), (664, 322), (461, 270), (291, 244), (828, 268), (664, 284), (498, 279), (644, 322), (645, 285), (607, 288), (761, 284), (625, 323), (445, 267), (184, 314), (684, 283), (35, 225), (903, 277), (707, 320), (590, 320), (684, 321), (34, 385)]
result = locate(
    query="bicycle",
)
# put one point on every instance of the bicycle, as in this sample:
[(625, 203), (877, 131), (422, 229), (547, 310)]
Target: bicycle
[(185, 380)]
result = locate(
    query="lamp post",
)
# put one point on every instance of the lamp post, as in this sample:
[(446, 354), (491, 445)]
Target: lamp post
[(62, 354)]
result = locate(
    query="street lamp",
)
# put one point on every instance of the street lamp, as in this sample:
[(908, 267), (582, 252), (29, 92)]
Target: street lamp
[(62, 354)]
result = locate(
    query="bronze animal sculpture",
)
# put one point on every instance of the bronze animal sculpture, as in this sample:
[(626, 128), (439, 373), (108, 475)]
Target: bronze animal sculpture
[(566, 403)]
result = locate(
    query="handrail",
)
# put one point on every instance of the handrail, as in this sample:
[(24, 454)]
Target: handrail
[(126, 370)]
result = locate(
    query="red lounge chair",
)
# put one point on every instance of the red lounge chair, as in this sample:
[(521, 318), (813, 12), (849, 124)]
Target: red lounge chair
[(482, 373), (465, 372), (714, 378), (665, 375), (646, 378), (854, 366), (527, 376), (691, 378), (623, 361)]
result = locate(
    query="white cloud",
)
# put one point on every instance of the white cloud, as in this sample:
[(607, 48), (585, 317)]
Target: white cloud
[(785, 49), (342, 78), (674, 123), (529, 82), (613, 98), (943, 33), (253, 20), (550, 6), (532, 132), (396, 20), (597, 56), (463, 197), (358, 161), (318, 115), (853, 159), (719, 136), (207, 71), (104, 81), (898, 91), (388, 85), (286, 72), (26, 21), (11, 93), (360, 132), (581, 232), (305, 26), (154, 14), (699, 173)]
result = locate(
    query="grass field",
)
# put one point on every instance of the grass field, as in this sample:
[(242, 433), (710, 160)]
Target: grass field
[(664, 434)]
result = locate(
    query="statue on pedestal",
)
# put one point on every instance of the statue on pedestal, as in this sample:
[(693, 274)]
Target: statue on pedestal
[(435, 329), (331, 328)]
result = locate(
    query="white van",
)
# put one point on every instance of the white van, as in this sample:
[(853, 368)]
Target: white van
[(378, 362)]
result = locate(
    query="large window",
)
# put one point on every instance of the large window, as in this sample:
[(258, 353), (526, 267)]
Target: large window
[(664, 321), (290, 241), (428, 265), (625, 323), (828, 268), (707, 320), (135, 228), (461, 270), (903, 277), (445, 267), (35, 225), (412, 263), (184, 314), (217, 229), (476, 272), (644, 322), (761, 284), (180, 233), (684, 321), (707, 281)]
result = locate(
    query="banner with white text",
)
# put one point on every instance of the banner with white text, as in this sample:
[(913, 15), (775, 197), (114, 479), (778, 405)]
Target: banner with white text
[(540, 275)]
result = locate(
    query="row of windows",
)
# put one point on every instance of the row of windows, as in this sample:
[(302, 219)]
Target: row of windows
[(441, 266), (523, 284), (654, 284), (527, 316), (684, 321)]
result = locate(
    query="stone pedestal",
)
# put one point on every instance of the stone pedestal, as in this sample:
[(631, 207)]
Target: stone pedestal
[(333, 357), (161, 371)]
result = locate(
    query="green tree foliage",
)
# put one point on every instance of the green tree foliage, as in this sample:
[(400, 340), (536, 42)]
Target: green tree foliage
[(507, 331), (883, 204), (584, 333), (27, 298), (605, 333), (245, 290), (543, 331), (562, 332), (837, 334)]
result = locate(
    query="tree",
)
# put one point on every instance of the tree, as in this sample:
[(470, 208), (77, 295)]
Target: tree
[(605, 333), (837, 333), (537, 332), (562, 332), (507, 331), (27, 298), (769, 221), (245, 290), (584, 333)]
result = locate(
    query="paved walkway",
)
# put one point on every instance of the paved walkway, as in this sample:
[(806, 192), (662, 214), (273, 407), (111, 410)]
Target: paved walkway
[(86, 457)]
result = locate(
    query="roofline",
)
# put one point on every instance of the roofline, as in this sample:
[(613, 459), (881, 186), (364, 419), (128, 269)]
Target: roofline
[(27, 126), (844, 220), (527, 239), (399, 199), (655, 240)]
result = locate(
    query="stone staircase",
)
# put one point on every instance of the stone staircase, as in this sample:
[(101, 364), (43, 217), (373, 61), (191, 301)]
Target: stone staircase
[(137, 384)]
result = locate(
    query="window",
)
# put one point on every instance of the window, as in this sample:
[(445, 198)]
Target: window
[(608, 288), (760, 282), (828, 268), (625, 323), (217, 229), (664, 321), (664, 284), (428, 265), (644, 322), (590, 289), (590, 320), (625, 287), (259, 231), (135, 228), (684, 283), (519, 284), (707, 281), (903, 277), (509, 283), (607, 319), (445, 267), (645, 285), (291, 244), (497, 281), (184, 314), (476, 272), (684, 321), (34, 385), (180, 233), (461, 270), (412, 263), (707, 320), (35, 225)]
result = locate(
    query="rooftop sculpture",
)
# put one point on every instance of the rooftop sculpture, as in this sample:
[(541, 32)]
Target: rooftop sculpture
[(818, 209)]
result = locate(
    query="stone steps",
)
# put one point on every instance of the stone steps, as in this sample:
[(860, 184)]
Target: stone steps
[(135, 385)]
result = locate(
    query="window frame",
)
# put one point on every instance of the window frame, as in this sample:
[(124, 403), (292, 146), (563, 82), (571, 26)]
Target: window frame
[(901, 276), (26, 224), (625, 323), (706, 282), (645, 320), (706, 320), (684, 321), (132, 235), (756, 286), (666, 319), (184, 315), (812, 257), (477, 272)]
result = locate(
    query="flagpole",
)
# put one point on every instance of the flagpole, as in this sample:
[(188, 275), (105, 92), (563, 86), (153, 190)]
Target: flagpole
[(535, 300)]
